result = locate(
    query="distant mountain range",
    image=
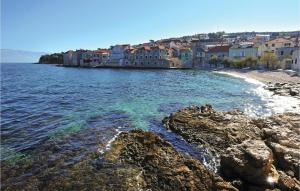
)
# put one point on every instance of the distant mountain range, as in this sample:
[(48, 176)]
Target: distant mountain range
[(19, 56)]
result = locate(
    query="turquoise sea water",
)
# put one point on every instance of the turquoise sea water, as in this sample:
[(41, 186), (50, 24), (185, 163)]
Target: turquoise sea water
[(42, 103)]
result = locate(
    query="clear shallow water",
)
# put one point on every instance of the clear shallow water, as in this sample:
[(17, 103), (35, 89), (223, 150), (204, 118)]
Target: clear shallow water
[(43, 104)]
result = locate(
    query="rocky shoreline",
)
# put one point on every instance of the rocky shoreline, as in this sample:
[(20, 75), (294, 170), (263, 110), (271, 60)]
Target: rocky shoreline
[(284, 89), (254, 154)]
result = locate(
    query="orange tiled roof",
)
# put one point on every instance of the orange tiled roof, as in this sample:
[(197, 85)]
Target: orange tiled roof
[(103, 51), (279, 40)]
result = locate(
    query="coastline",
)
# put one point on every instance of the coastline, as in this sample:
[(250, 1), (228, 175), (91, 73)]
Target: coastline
[(279, 90), (264, 76)]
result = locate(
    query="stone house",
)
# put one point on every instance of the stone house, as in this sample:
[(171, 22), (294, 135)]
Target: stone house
[(186, 58), (220, 51), (72, 58), (117, 54), (273, 45), (91, 58), (67, 58), (200, 48), (284, 52), (103, 56), (150, 57), (296, 60)]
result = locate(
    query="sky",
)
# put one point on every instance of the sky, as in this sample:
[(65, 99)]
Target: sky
[(60, 25)]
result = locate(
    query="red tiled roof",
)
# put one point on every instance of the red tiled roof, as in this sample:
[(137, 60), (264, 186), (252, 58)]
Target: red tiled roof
[(102, 51), (279, 40), (184, 49), (220, 49)]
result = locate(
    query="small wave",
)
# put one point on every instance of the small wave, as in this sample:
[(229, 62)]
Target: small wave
[(108, 145), (273, 103), (249, 80)]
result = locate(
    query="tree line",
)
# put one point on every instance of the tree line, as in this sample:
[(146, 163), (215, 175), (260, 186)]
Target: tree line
[(267, 61)]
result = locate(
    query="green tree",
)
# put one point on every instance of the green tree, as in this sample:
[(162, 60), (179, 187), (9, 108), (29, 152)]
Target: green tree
[(214, 60), (56, 58), (251, 61), (270, 60), (227, 62)]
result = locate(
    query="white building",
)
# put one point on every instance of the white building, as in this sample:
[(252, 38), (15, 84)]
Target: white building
[(243, 50)]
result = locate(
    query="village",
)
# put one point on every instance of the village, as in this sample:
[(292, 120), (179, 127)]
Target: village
[(213, 50)]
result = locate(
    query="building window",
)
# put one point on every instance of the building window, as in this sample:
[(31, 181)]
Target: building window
[(159, 57), (146, 57), (156, 57), (296, 61), (150, 57), (136, 57), (281, 53), (287, 44), (141, 57), (292, 52), (273, 45), (148, 63)]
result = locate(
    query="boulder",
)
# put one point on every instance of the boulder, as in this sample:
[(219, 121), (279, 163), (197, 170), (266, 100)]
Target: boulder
[(281, 134), (250, 161)]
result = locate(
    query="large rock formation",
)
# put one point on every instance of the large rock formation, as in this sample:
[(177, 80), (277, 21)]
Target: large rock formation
[(216, 130), (136, 160), (255, 154), (161, 166), (281, 134)]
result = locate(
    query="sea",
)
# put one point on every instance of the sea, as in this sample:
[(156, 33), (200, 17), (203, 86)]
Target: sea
[(52, 114)]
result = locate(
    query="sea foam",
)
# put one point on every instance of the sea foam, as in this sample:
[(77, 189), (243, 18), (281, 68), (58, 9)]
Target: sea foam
[(273, 104), (108, 145)]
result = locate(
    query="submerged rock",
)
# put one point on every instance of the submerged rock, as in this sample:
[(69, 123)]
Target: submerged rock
[(255, 154)]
